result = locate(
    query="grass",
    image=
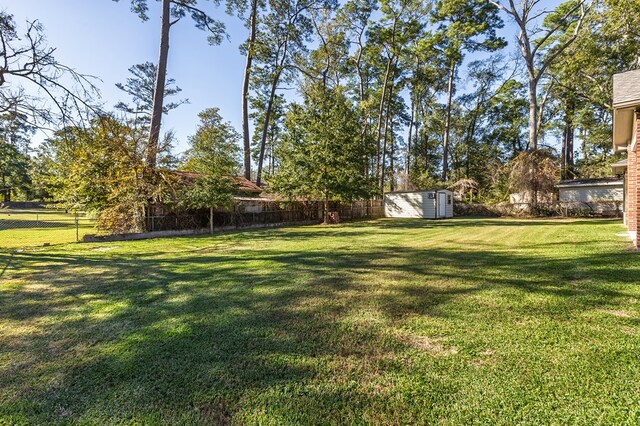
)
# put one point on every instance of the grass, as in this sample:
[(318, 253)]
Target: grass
[(36, 227), (470, 321)]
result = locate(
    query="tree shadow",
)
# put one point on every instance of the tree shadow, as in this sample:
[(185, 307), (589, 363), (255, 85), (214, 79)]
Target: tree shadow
[(193, 334)]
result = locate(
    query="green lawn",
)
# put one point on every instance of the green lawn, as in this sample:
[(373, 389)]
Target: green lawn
[(465, 321), (35, 227)]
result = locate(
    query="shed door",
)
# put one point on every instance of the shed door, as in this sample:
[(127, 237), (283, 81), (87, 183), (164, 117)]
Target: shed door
[(442, 204)]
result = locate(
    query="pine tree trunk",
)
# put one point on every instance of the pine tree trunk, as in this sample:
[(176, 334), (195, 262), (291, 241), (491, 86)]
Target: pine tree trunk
[(384, 140), (447, 125), (379, 152), (267, 118), (265, 127), (245, 90), (409, 136), (158, 92)]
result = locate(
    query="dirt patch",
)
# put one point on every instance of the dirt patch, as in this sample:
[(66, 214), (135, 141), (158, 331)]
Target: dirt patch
[(215, 413), (485, 358), (433, 345), (617, 313)]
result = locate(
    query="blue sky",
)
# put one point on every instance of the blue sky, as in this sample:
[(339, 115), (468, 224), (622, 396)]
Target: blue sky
[(103, 38)]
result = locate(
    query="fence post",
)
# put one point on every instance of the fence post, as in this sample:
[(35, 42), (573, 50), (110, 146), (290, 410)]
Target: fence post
[(76, 221), (211, 220)]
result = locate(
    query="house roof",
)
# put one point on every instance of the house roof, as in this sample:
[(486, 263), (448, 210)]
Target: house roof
[(626, 98), (241, 183), (578, 183), (626, 89)]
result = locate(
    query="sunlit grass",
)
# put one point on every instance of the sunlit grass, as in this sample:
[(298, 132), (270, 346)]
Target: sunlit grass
[(37, 227), (381, 322)]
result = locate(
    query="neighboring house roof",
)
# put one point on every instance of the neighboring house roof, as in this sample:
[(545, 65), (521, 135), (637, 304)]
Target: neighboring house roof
[(577, 183), (241, 183), (626, 97)]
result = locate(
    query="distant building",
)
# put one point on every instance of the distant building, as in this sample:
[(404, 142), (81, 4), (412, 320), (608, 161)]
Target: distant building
[(591, 190), (626, 120), (427, 204)]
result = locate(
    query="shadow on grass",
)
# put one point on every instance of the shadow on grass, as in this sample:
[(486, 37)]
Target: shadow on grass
[(191, 336)]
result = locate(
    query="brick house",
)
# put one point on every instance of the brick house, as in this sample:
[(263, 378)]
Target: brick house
[(626, 131)]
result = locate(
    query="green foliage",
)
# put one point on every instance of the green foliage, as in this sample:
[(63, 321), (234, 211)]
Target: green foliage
[(321, 154), (15, 135), (140, 87), (214, 28), (213, 158), (98, 168), (581, 80)]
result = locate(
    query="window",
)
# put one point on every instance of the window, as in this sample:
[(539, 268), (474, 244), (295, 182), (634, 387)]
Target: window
[(432, 195), (449, 199)]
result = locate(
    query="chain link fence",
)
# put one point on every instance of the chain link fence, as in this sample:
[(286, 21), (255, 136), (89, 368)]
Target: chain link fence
[(41, 227), (32, 227)]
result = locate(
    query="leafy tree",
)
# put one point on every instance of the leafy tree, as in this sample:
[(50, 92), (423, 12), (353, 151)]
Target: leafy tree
[(140, 87), (581, 83), (99, 168), (282, 36), (248, 48), (393, 35), (320, 153), (15, 136), (213, 157), (540, 48), (464, 26), (276, 123)]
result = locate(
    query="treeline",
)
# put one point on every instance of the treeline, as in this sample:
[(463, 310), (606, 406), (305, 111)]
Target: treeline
[(471, 94)]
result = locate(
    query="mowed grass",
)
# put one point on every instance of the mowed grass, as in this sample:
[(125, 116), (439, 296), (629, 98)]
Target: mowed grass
[(36, 227), (465, 321)]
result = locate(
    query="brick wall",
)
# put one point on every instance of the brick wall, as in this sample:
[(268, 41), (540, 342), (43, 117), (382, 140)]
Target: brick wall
[(633, 187)]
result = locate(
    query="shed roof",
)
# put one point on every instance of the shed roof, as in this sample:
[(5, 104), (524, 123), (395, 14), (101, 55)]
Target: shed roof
[(578, 183)]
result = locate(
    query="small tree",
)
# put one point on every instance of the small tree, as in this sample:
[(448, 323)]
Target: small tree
[(321, 152), (213, 156), (533, 172), (97, 168)]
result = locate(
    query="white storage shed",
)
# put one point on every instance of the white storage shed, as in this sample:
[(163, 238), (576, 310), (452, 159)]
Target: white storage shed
[(427, 204)]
